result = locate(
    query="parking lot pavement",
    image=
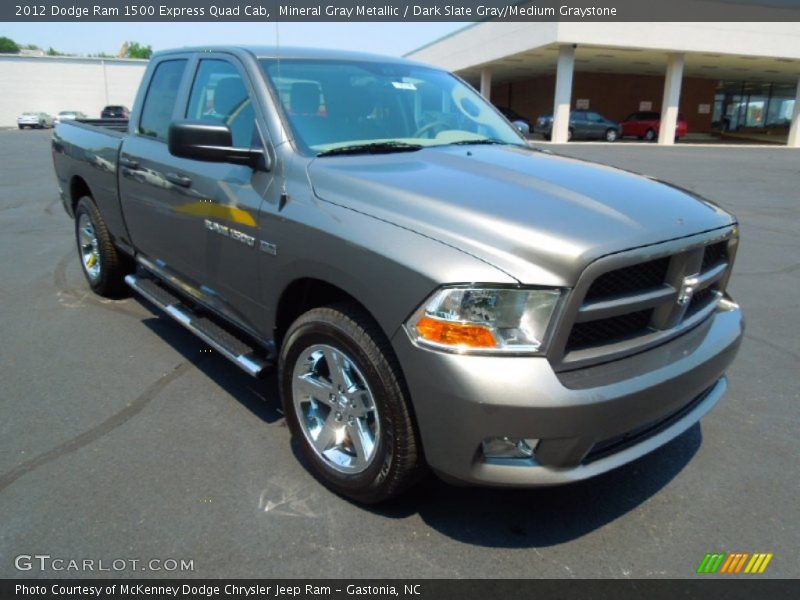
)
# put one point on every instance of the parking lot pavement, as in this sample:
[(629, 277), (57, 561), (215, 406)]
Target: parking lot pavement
[(121, 439)]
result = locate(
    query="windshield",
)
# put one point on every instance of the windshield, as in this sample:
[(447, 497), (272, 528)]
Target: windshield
[(334, 104)]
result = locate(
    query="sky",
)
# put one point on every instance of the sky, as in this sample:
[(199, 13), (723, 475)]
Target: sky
[(394, 39)]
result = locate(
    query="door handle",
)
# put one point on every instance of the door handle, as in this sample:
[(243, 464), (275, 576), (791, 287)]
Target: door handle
[(129, 163), (179, 180)]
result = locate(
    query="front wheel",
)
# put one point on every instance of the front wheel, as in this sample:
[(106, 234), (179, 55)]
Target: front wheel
[(650, 135), (611, 135), (346, 406)]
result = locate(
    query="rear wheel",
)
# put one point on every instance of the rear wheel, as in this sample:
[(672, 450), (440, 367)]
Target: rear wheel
[(611, 135), (650, 135), (570, 133), (103, 265), (346, 406)]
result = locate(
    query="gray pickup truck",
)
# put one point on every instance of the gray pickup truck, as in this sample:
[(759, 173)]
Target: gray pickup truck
[(431, 291)]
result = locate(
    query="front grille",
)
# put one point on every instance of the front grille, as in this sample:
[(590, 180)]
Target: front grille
[(630, 279), (637, 305), (608, 331), (700, 300), (714, 254)]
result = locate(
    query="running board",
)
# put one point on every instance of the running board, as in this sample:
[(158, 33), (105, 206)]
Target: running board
[(231, 347)]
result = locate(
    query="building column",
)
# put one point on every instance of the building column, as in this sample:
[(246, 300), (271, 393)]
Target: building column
[(671, 101), (794, 130), (563, 96), (486, 83)]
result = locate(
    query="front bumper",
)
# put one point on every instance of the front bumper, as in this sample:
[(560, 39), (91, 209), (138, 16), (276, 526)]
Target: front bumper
[(589, 421)]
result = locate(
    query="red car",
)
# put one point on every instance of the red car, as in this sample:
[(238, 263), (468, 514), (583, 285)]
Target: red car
[(645, 125)]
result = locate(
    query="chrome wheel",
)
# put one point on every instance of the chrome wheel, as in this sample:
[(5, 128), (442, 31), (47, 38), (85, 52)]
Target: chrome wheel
[(335, 408), (87, 244), (611, 135)]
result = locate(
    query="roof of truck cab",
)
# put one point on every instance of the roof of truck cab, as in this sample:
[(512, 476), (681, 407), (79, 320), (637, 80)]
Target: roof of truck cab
[(293, 52)]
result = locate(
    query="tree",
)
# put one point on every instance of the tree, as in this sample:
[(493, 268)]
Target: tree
[(8, 46), (136, 50)]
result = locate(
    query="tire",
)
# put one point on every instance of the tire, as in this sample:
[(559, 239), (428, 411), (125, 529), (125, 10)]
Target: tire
[(570, 134), (103, 265), (650, 135), (325, 423), (611, 135), (21, 127)]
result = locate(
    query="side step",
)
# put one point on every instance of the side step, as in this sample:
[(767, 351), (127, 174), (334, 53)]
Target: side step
[(231, 347)]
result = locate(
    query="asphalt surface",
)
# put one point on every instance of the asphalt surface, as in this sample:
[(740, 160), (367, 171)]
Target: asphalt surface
[(121, 439)]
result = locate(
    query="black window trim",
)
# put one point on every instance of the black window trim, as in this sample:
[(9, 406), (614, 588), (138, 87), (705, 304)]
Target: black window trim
[(179, 99)]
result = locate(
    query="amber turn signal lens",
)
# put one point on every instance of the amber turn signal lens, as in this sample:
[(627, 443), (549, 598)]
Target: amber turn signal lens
[(455, 334)]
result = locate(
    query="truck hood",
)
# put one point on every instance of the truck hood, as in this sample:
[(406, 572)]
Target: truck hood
[(540, 218)]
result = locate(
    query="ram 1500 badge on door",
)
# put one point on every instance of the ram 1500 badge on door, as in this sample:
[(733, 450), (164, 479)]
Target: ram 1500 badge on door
[(431, 291)]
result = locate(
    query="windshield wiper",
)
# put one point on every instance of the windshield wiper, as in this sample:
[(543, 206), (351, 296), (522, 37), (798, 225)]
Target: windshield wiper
[(373, 148), (484, 141)]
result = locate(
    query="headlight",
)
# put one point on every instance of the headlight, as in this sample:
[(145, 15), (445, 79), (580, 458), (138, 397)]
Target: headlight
[(484, 320)]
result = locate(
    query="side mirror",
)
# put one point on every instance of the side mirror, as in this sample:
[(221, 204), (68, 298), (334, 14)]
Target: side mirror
[(211, 142)]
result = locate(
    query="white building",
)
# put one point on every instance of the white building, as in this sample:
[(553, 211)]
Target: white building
[(54, 83), (742, 76)]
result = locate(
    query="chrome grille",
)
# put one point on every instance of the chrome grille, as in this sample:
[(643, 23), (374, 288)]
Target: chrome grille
[(632, 305)]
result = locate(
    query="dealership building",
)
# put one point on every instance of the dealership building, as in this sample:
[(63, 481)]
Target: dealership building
[(734, 78), (51, 84)]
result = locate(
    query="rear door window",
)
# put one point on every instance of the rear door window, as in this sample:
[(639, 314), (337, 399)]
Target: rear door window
[(159, 103)]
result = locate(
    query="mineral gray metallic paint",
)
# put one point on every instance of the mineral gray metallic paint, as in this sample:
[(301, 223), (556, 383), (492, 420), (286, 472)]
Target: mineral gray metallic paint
[(389, 230)]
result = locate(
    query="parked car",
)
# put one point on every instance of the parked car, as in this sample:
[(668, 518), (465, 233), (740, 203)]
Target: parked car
[(583, 125), (34, 120), (517, 120), (427, 287), (645, 125), (115, 111), (69, 115)]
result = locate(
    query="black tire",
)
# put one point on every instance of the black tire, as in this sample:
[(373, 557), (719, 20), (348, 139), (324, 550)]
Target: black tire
[(397, 460), (570, 134), (612, 135), (21, 126), (113, 265), (650, 135)]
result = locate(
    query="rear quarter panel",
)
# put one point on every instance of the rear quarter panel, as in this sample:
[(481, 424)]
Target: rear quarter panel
[(83, 154)]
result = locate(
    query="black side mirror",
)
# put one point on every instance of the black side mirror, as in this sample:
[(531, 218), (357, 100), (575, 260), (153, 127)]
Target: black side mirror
[(211, 142)]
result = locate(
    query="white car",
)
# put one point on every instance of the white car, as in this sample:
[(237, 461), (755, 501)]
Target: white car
[(37, 120), (69, 115)]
